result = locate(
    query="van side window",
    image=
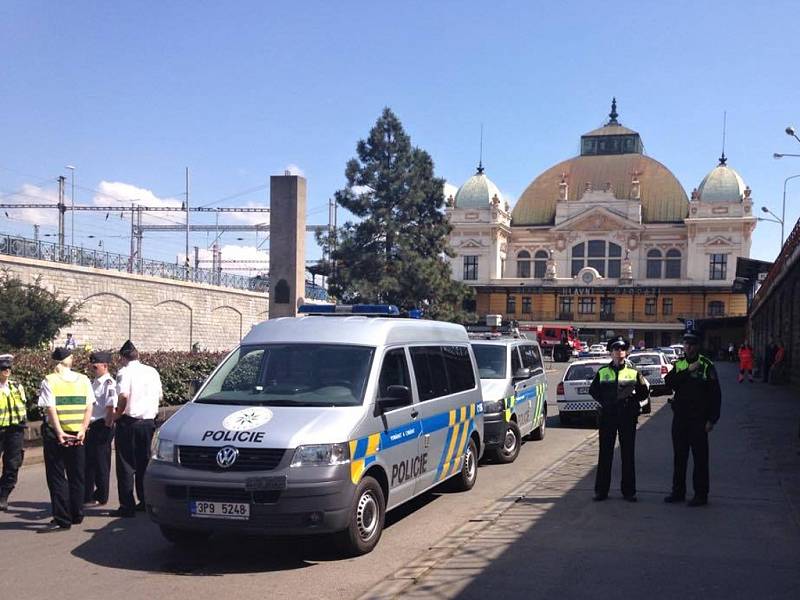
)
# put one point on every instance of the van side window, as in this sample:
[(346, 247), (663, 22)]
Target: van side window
[(516, 363), (394, 371), (531, 357), (430, 370), (460, 374)]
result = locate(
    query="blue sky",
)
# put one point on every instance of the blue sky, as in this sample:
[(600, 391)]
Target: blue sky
[(132, 93)]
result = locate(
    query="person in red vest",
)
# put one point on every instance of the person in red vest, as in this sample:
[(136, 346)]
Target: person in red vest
[(746, 362)]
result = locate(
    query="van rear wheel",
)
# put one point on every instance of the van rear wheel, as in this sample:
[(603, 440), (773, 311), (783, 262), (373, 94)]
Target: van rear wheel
[(367, 516), (539, 432), (465, 480), (508, 452)]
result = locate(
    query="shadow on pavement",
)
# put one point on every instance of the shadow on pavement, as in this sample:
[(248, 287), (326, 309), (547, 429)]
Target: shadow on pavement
[(553, 541)]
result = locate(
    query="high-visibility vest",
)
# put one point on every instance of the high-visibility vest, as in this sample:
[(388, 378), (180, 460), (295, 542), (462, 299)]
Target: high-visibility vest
[(71, 400), (12, 405), (701, 373), (624, 375)]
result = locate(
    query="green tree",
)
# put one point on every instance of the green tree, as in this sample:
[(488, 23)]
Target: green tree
[(31, 315), (395, 252)]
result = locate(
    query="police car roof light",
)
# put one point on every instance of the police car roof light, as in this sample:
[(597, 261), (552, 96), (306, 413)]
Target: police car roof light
[(373, 310)]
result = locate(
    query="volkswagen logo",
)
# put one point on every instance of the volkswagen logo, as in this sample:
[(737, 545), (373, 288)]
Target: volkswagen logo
[(227, 456)]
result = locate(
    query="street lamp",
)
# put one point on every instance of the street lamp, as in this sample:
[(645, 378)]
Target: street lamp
[(777, 155), (783, 208), (790, 132), (776, 220), (72, 217)]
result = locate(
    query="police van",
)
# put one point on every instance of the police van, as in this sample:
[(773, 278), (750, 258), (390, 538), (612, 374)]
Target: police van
[(514, 389), (320, 424)]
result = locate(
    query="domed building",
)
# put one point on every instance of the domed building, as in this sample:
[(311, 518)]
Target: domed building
[(607, 241)]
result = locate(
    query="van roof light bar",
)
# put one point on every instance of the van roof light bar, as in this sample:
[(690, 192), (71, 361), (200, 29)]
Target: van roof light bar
[(366, 310)]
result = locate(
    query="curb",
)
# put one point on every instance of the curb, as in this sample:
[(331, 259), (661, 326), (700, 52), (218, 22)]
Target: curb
[(410, 574)]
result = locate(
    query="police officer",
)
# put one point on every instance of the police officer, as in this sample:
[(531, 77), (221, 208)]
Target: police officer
[(619, 388), (696, 408), (100, 432), (139, 390), (66, 397), (12, 428)]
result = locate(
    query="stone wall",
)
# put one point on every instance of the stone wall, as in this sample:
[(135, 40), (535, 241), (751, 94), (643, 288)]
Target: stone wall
[(156, 313)]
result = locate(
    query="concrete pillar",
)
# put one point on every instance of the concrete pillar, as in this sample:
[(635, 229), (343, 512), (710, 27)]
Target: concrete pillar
[(287, 248)]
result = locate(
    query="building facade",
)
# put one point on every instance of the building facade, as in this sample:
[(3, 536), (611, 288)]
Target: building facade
[(607, 241)]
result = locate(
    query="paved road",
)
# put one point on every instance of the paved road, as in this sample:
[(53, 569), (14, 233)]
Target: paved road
[(106, 555)]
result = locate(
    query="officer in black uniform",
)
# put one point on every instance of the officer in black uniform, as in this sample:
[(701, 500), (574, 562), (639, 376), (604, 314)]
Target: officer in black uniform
[(619, 388), (696, 408)]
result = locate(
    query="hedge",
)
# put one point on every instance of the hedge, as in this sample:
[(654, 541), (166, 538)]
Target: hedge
[(177, 369)]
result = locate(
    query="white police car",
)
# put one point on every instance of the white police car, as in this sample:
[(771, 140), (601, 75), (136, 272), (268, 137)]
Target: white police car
[(317, 424)]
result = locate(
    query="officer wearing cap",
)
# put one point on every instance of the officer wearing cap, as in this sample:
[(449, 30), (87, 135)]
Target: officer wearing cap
[(66, 397), (100, 432), (139, 390), (12, 428), (696, 408), (619, 388)]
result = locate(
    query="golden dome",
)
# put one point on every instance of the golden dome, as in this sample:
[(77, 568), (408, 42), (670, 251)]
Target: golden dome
[(610, 156), (662, 196)]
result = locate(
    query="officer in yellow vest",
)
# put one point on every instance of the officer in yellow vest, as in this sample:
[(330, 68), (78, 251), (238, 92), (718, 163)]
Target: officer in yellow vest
[(619, 388), (67, 399), (12, 428), (696, 408)]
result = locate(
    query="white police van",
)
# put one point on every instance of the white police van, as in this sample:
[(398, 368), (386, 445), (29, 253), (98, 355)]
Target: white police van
[(514, 389), (320, 424)]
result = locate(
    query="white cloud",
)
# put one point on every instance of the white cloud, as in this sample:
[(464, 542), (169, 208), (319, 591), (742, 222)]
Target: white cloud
[(293, 169), (32, 194), (255, 218), (110, 193)]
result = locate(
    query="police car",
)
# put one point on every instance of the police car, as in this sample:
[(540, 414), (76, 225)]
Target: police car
[(514, 394), (320, 424)]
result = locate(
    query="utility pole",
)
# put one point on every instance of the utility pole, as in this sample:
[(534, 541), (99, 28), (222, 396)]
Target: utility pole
[(61, 210), (35, 233), (72, 216), (196, 258), (133, 240), (187, 223)]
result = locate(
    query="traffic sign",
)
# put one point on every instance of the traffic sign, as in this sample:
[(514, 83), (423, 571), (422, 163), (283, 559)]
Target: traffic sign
[(689, 323)]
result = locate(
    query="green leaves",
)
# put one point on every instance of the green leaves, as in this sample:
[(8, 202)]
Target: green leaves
[(32, 315), (396, 252)]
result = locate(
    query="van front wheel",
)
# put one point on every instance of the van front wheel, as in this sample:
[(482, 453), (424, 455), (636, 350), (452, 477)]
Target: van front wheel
[(508, 452), (366, 519)]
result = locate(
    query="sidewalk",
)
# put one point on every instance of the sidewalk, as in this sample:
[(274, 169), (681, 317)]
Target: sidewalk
[(548, 539)]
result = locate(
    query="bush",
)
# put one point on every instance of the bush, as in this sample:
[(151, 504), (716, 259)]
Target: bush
[(177, 369)]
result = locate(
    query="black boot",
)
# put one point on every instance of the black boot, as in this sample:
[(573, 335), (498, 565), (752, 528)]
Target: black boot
[(674, 498), (3, 503)]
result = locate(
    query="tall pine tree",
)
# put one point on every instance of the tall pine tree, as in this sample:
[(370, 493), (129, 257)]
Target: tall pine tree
[(395, 252)]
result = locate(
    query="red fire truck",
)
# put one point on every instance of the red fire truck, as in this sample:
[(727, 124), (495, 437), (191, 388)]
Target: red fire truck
[(556, 338)]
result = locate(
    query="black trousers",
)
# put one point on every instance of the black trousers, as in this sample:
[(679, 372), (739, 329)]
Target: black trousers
[(65, 468), (611, 426), (133, 438), (690, 434), (98, 461), (12, 440)]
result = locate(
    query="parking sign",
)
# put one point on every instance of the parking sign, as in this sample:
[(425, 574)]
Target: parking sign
[(689, 323)]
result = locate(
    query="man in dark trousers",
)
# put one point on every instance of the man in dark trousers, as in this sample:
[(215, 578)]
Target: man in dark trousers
[(696, 408), (100, 432), (139, 393), (13, 420), (619, 388)]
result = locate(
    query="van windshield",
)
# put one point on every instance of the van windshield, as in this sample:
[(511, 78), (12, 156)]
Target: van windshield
[(491, 360), (291, 375)]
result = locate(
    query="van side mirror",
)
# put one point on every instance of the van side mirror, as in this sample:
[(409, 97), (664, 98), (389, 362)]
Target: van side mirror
[(522, 373), (396, 396)]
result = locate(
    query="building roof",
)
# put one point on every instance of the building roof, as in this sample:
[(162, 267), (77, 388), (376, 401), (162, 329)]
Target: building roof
[(477, 191), (662, 196), (722, 184)]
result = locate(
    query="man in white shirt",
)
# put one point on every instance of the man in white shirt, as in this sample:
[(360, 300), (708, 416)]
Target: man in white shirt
[(66, 397), (100, 432), (139, 394)]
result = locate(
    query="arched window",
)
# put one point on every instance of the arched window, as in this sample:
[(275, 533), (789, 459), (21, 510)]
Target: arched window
[(654, 264), (604, 256), (716, 308), (539, 263), (672, 264), (523, 264)]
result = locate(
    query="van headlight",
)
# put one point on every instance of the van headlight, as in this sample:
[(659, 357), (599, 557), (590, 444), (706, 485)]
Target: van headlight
[(493, 406), (321, 455), (161, 449)]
